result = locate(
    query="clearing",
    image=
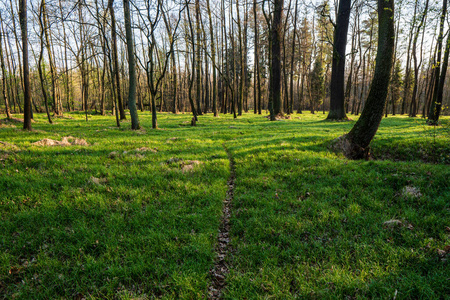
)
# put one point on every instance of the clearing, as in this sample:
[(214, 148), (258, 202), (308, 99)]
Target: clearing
[(136, 214)]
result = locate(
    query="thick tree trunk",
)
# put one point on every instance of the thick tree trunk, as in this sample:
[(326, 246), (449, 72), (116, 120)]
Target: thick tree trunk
[(355, 144), (275, 69), (337, 97)]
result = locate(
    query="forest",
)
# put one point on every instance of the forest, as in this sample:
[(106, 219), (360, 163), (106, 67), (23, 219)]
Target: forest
[(224, 149), (196, 57)]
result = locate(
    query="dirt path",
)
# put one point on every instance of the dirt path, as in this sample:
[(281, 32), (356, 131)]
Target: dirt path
[(221, 269)]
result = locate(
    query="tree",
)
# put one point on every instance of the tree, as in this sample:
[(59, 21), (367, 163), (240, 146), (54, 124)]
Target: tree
[(337, 97), (317, 80), (291, 76), (4, 75), (198, 82), (413, 108), (355, 144), (396, 84), (26, 70), (191, 78), (46, 29), (213, 59), (275, 64), (41, 68), (257, 77), (116, 59), (241, 62), (436, 103), (131, 67)]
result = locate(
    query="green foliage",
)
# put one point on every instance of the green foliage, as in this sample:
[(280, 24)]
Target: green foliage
[(396, 82), (317, 78), (113, 220)]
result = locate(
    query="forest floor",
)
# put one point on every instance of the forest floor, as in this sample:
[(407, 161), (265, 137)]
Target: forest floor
[(116, 213)]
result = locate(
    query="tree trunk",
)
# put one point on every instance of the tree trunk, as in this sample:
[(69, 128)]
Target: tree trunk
[(191, 79), (26, 70), (198, 59), (116, 59), (131, 67), (240, 101), (355, 144), (291, 76), (50, 55), (4, 75), (257, 74), (408, 64), (337, 97), (412, 110), (40, 67), (213, 59), (275, 70)]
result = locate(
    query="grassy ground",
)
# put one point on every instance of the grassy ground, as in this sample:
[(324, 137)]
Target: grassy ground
[(136, 213)]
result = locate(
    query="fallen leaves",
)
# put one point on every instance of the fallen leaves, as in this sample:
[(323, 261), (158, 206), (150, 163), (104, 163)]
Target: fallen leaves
[(8, 146), (146, 149), (97, 181), (188, 166), (392, 223), (184, 165), (411, 192), (65, 141)]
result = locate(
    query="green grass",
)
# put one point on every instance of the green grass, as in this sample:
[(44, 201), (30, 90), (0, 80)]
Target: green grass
[(306, 222)]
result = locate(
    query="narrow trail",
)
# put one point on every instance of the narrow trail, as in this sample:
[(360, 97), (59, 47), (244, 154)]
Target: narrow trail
[(220, 270)]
